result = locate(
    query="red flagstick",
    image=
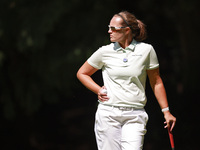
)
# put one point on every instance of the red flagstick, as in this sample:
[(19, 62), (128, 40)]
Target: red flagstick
[(171, 138)]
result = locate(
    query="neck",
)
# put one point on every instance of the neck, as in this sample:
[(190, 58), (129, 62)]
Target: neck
[(126, 42)]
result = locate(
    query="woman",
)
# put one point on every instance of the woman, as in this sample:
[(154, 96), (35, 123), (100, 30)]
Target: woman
[(120, 118)]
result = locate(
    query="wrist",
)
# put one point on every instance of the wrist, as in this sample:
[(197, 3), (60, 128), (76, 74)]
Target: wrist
[(166, 113), (166, 109)]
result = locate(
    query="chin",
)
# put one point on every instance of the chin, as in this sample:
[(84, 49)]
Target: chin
[(112, 40)]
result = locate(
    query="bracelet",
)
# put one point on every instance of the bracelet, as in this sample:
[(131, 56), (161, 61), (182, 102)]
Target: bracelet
[(165, 109)]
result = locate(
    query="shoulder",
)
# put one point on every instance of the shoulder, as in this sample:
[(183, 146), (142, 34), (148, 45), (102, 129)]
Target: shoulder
[(144, 45), (107, 47), (145, 49), (102, 50)]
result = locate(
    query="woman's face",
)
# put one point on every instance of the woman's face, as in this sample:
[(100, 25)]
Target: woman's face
[(119, 34)]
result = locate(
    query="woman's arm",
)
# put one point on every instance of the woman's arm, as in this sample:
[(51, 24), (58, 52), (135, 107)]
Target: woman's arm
[(160, 94), (84, 75)]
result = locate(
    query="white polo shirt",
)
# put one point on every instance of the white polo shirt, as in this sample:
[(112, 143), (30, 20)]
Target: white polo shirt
[(125, 81)]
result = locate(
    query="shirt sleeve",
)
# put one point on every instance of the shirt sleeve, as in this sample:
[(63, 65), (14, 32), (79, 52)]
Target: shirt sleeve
[(95, 60), (153, 60)]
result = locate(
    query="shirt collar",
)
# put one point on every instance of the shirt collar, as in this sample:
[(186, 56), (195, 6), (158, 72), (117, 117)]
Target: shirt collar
[(131, 47)]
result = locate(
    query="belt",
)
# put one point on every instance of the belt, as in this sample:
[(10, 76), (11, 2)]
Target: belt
[(121, 107)]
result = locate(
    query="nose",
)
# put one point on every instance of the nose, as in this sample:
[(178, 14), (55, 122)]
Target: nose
[(109, 30)]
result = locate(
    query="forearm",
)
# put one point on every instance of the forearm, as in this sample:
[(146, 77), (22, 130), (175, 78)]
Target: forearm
[(160, 94), (84, 75), (88, 82)]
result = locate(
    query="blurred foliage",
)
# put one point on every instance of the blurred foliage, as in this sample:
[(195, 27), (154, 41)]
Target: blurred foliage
[(43, 44)]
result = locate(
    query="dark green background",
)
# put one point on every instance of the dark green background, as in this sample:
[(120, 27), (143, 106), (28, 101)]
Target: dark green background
[(42, 45)]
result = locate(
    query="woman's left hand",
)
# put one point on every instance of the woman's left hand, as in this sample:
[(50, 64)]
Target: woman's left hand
[(170, 120)]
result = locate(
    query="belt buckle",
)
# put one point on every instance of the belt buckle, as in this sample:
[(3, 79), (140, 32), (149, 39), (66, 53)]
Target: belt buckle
[(121, 108), (124, 108)]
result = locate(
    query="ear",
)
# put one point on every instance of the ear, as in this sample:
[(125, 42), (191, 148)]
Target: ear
[(128, 30)]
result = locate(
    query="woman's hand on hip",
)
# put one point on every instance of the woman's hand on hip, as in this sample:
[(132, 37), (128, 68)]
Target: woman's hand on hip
[(102, 94)]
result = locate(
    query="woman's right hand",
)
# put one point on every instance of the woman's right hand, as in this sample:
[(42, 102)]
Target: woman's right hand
[(102, 94)]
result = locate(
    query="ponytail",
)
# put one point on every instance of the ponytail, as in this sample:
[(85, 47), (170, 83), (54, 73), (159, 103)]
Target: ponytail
[(141, 34)]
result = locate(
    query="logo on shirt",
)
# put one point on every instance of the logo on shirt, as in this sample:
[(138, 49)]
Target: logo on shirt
[(136, 54)]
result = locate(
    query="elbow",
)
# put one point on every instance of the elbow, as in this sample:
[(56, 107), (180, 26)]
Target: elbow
[(78, 74)]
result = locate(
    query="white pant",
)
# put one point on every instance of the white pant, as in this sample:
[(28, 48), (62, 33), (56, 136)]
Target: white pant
[(118, 129)]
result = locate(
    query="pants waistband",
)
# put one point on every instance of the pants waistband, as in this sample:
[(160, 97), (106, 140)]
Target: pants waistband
[(122, 107)]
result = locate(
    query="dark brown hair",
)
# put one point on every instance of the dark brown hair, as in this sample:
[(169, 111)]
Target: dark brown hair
[(138, 27)]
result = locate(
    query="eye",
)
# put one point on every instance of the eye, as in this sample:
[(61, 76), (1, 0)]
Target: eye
[(113, 28)]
